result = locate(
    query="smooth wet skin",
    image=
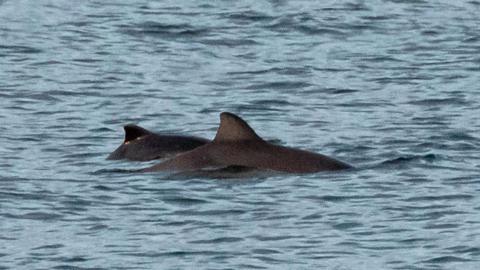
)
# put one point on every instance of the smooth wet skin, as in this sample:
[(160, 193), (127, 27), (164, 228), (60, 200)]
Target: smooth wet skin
[(143, 145), (237, 144)]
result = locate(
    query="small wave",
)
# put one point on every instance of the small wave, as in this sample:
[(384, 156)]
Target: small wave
[(177, 200), (17, 49), (249, 17), (409, 159), (230, 42), (440, 101), (54, 246), (35, 216), (282, 85), (156, 29), (218, 240), (451, 197), (109, 171), (446, 259)]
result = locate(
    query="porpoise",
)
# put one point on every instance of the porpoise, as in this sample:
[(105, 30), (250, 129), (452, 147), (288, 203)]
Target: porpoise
[(143, 145), (237, 144)]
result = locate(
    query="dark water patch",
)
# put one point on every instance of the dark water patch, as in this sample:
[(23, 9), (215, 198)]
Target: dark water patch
[(249, 72), (230, 42), (265, 251), (432, 198), (53, 246), (79, 155), (440, 102), (74, 267), (255, 107), (379, 17), (90, 82), (100, 129), (271, 260), (275, 238), (418, 180), (349, 6), (315, 216), (440, 214), (164, 30), (474, 251), (311, 30), (415, 207), (272, 103), (251, 266), (346, 225), (430, 33), (332, 198), (86, 60), (282, 85), (183, 201), (402, 80), (473, 39), (445, 259), (302, 23), (278, 217), (463, 180), (18, 49), (110, 171), (414, 241), (428, 122), (77, 24), (356, 198), (103, 188), (219, 240), (360, 104), (178, 253), (297, 71), (459, 136), (381, 59), (97, 228), (35, 216), (47, 63), (338, 91), (72, 259), (443, 226), (40, 196), (232, 212), (248, 16), (76, 201), (400, 161)]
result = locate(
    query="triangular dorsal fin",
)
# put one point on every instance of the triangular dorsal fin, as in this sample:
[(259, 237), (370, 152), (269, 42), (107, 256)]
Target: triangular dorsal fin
[(133, 132), (234, 128)]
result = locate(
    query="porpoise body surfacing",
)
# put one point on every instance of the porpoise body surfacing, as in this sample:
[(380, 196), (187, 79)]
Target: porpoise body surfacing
[(143, 145), (237, 144)]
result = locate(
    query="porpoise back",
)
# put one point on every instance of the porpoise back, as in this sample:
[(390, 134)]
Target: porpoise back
[(237, 144), (143, 145)]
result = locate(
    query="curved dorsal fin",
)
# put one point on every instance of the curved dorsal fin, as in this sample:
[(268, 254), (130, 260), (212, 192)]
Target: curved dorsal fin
[(234, 128), (133, 132)]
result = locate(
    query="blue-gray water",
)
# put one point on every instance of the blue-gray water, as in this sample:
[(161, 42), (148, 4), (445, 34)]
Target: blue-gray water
[(391, 87)]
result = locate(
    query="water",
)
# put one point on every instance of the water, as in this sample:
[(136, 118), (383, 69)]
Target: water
[(391, 87)]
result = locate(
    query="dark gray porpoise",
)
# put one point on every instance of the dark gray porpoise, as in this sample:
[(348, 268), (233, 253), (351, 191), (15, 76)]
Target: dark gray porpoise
[(237, 144), (143, 145)]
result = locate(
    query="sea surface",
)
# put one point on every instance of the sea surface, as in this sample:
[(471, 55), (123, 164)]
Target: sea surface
[(389, 86)]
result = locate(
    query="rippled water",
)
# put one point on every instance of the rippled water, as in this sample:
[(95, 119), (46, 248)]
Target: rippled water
[(391, 87)]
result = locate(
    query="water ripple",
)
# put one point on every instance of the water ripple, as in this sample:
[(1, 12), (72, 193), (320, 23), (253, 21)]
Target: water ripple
[(390, 86)]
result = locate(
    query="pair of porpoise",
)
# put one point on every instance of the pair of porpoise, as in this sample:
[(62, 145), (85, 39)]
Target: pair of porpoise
[(235, 145)]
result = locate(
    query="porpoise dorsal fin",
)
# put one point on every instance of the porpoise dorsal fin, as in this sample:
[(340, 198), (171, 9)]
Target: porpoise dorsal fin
[(133, 132), (234, 128)]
